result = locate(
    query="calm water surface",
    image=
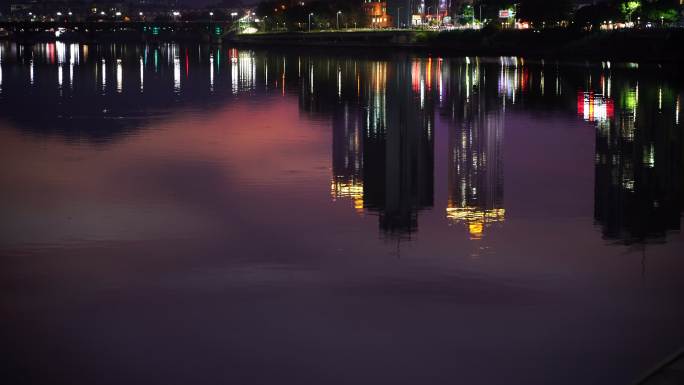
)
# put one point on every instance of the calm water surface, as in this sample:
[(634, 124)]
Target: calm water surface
[(194, 215)]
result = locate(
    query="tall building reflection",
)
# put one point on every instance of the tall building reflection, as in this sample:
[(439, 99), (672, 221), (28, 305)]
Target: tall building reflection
[(347, 156), (383, 156), (408, 170), (638, 183), (475, 172)]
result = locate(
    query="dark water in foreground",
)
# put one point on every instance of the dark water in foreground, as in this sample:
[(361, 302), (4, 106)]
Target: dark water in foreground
[(186, 215)]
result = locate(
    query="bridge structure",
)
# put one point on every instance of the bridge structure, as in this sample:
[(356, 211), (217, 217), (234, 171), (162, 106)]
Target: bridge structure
[(205, 31)]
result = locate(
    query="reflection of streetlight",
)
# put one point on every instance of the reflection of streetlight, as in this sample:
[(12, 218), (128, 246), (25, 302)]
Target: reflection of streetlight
[(311, 14), (338, 19)]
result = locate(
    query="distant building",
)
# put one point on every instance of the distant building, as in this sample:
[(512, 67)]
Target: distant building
[(376, 12)]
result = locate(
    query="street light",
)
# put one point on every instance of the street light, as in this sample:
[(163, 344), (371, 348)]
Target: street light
[(338, 19), (311, 14)]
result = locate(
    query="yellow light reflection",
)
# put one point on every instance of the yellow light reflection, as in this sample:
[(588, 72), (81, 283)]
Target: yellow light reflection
[(476, 219), (352, 190)]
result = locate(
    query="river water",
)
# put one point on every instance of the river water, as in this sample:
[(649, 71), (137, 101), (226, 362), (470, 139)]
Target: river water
[(185, 214)]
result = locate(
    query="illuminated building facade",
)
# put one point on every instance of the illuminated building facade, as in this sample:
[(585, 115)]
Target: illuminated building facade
[(376, 13)]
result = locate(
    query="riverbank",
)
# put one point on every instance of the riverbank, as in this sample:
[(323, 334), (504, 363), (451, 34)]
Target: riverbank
[(657, 45), (654, 45)]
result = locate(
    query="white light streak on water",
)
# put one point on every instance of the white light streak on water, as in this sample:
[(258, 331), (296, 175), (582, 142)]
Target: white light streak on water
[(211, 72), (119, 76)]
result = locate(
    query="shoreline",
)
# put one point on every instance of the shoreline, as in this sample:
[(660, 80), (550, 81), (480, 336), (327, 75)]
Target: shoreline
[(634, 45), (639, 45)]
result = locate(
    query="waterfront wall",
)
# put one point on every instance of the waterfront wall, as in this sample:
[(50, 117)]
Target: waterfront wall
[(641, 45), (656, 45)]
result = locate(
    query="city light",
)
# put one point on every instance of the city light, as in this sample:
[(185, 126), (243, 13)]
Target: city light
[(594, 107), (453, 194), (475, 219)]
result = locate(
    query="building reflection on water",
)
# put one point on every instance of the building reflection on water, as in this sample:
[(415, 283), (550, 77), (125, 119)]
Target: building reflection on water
[(475, 169), (383, 156), (383, 111), (638, 179)]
